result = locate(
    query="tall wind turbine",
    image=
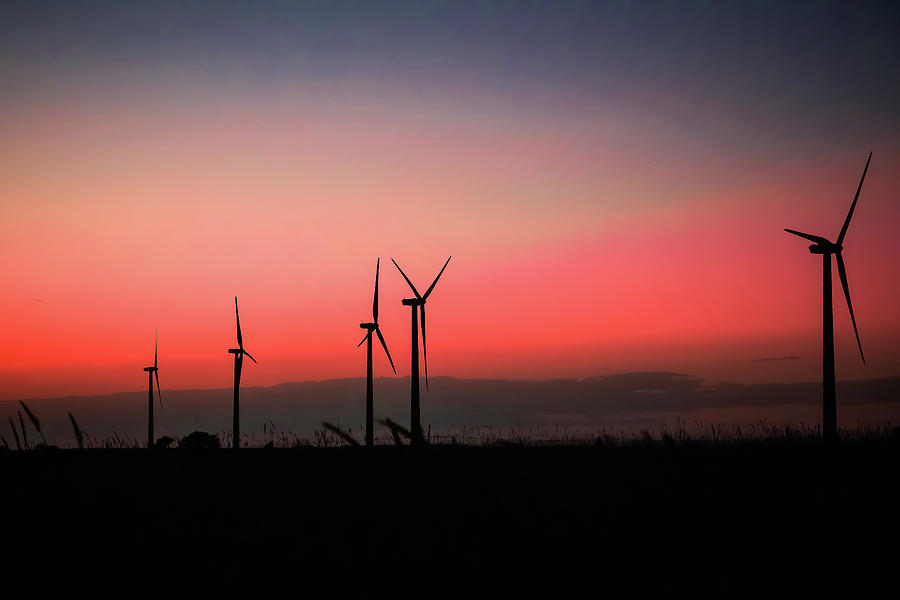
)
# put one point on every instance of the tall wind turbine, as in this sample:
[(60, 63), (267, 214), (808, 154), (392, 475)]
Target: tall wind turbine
[(370, 327), (239, 353), (151, 371), (826, 248), (419, 300)]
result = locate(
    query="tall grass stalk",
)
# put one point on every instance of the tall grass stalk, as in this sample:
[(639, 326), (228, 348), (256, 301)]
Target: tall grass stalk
[(340, 433), (34, 421), (15, 434), (24, 433), (79, 434)]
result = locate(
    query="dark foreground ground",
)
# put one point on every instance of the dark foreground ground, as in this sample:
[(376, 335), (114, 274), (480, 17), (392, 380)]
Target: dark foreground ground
[(742, 519)]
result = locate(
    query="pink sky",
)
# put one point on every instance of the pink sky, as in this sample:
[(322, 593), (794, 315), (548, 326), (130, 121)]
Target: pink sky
[(586, 240)]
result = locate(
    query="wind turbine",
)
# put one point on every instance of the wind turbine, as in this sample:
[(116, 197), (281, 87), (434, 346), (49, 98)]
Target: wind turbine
[(826, 248), (151, 371), (419, 301), (370, 327), (239, 353)]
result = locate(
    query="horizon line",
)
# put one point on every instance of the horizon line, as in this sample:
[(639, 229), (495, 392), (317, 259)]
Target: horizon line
[(447, 377)]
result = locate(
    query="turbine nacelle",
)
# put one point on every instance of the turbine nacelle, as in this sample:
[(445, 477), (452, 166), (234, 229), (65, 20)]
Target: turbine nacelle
[(235, 351), (368, 326), (824, 249), (151, 369), (413, 302)]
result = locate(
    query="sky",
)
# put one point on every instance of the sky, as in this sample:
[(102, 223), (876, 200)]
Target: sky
[(611, 179)]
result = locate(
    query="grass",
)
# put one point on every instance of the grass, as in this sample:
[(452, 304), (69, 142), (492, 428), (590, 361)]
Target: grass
[(694, 509), (332, 436), (34, 421), (697, 508), (15, 434), (79, 434)]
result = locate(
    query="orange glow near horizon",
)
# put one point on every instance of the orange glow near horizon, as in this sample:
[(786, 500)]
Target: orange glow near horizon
[(582, 245)]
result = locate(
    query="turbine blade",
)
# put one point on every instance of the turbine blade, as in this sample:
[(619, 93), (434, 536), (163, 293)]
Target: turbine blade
[(158, 390), (248, 355), (424, 350), (155, 347), (412, 287), (363, 340), (375, 301), (843, 274), (237, 318), (853, 206), (813, 238), (433, 283), (384, 345)]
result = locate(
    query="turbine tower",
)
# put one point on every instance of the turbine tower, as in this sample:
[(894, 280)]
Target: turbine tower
[(419, 300), (239, 353), (151, 371), (370, 327), (827, 248)]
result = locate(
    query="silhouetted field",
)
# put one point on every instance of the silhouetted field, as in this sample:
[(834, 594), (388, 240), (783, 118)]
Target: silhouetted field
[(628, 401), (779, 516)]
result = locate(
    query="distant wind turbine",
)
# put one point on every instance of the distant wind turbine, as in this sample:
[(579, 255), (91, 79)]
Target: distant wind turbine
[(827, 248), (151, 371), (419, 300), (239, 353), (370, 327)]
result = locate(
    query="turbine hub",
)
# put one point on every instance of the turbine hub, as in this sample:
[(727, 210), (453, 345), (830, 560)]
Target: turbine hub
[(823, 249)]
